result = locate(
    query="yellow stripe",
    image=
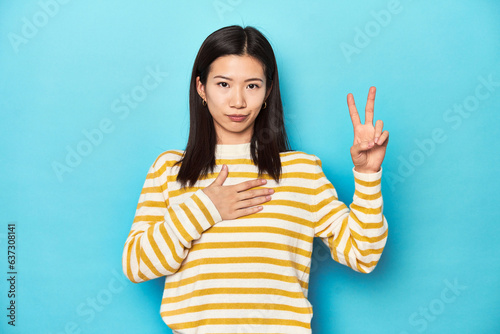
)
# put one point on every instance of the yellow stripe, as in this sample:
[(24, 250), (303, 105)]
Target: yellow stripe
[(149, 264), (363, 238), (324, 187), (231, 291), (137, 242), (175, 152), (255, 175), (148, 218), (138, 253), (366, 252), (316, 191), (147, 190), (261, 229), (366, 225), (359, 267), (290, 203), (142, 276), (325, 202), (129, 262), (239, 321), (170, 244), (346, 252), (157, 251), (234, 275), (134, 233), (323, 220), (178, 224), (239, 260), (167, 163), (170, 163), (281, 216), (191, 217), (367, 211), (204, 209), (287, 153), (333, 250), (250, 162), (366, 196), (250, 244), (359, 262), (152, 204), (367, 183), (296, 161), (342, 230), (292, 189), (182, 191), (368, 264), (236, 306)]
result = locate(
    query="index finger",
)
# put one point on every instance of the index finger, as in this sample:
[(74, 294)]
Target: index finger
[(249, 184), (370, 102), (353, 112)]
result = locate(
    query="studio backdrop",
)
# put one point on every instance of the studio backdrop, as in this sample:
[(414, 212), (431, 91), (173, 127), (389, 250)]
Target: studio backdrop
[(91, 92)]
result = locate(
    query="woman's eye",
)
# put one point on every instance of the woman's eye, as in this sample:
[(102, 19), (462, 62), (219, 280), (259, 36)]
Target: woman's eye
[(222, 84), (252, 86)]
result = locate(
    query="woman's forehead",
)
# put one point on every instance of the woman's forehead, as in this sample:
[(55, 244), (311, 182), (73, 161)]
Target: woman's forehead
[(236, 67)]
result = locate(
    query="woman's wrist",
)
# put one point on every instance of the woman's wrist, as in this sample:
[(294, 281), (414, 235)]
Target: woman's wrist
[(366, 170)]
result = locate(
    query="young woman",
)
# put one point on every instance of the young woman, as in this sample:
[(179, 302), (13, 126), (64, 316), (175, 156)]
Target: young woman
[(231, 220)]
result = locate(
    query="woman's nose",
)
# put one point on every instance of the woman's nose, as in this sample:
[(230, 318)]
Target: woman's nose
[(238, 99)]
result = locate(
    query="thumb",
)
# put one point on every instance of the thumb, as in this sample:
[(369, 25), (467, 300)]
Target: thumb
[(361, 147), (219, 180)]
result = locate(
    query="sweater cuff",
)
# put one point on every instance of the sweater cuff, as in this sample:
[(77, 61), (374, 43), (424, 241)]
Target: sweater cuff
[(192, 217), (367, 177), (367, 186)]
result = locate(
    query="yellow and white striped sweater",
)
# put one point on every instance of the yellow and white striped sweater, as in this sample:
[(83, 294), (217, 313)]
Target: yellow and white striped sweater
[(250, 274)]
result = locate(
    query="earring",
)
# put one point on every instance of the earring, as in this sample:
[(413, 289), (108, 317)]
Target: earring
[(204, 103), (265, 105)]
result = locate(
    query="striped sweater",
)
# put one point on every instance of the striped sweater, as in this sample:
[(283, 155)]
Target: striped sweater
[(250, 274)]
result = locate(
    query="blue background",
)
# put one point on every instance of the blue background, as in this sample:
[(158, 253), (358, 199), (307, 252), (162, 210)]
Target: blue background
[(66, 73)]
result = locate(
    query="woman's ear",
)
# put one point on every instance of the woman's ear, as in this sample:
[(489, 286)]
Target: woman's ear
[(269, 91), (200, 88)]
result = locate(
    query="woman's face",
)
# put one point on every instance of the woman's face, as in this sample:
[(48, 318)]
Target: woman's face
[(235, 92)]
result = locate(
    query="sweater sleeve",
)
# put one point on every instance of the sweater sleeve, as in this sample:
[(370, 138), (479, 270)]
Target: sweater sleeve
[(356, 236), (162, 233)]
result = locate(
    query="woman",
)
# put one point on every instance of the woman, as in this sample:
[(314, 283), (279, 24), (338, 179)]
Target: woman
[(231, 220)]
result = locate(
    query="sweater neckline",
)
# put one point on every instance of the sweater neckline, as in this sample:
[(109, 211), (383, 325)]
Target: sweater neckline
[(232, 150)]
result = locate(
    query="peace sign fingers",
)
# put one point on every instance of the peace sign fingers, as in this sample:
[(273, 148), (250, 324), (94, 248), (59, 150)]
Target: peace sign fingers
[(369, 110), (353, 112), (370, 102)]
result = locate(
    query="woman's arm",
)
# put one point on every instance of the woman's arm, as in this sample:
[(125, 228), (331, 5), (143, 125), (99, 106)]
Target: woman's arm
[(357, 236), (162, 233)]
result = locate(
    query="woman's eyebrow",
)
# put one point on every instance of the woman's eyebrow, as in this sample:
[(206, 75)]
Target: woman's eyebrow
[(229, 79)]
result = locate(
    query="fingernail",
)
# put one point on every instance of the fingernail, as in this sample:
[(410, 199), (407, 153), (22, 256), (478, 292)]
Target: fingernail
[(263, 181), (376, 139)]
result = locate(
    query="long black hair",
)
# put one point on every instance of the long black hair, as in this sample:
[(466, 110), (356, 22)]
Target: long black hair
[(269, 136)]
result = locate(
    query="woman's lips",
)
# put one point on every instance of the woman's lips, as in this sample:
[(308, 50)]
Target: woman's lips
[(237, 118)]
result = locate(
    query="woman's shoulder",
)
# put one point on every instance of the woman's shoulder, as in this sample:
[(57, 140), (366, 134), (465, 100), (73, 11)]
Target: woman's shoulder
[(299, 157), (167, 158)]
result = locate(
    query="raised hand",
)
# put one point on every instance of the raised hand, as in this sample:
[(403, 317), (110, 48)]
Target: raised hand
[(370, 143), (237, 200)]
